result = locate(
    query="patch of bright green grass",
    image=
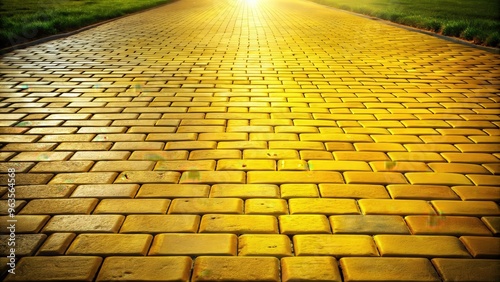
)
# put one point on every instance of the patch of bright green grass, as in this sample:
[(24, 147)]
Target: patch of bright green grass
[(473, 20), (26, 20)]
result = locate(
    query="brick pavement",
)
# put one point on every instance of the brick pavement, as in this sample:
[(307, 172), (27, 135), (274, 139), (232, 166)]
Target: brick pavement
[(231, 140)]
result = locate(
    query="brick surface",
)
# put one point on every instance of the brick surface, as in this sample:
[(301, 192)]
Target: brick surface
[(482, 247), (310, 269), (110, 244), (209, 268), (238, 224), (194, 244), (388, 269), (334, 245), (264, 245), (467, 269), (418, 246), (277, 117), (176, 268), (77, 268)]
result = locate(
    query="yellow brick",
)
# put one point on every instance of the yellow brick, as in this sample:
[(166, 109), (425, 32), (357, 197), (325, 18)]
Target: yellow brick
[(368, 224), (84, 178), (483, 270), (158, 155), (322, 206), (160, 224), (482, 247), (242, 145), (359, 156), (190, 145), (304, 224), (132, 146), (239, 224), (446, 225), (396, 207), (264, 245), (24, 223), (315, 155), (273, 137), (206, 205), (334, 245), (148, 177), (266, 206), (457, 168), (84, 223), (466, 208), (478, 158), (63, 267), (388, 269), (42, 191), (171, 137), (421, 192), (122, 165), (310, 269), (177, 268), (110, 244), (62, 166), (270, 154), (374, 178), (480, 193), (484, 180), (223, 136), (299, 191), (297, 145), (426, 178), (286, 177), (214, 154), (132, 206), (292, 165), (100, 156), (338, 165), (335, 137), (244, 191), (59, 206), (246, 165), (418, 245), (212, 177), (185, 165), (394, 166), (357, 191), (173, 191), (207, 268), (56, 244), (194, 244)]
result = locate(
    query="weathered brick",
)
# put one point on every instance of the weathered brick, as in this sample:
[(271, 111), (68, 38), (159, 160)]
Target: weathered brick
[(123, 165), (246, 165), (388, 269), (106, 191), (194, 244), (148, 177), (26, 244), (110, 244), (334, 245), (63, 268), (24, 223), (84, 223), (446, 225), (242, 268), (84, 178), (59, 206), (239, 224), (56, 244), (43, 191), (480, 270), (158, 155), (368, 224)]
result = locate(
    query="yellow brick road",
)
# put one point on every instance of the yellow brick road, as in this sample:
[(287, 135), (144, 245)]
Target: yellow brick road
[(250, 140)]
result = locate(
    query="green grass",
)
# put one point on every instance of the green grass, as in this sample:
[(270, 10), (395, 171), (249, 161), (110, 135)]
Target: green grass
[(474, 20), (26, 20)]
